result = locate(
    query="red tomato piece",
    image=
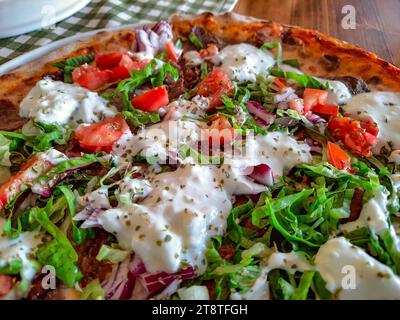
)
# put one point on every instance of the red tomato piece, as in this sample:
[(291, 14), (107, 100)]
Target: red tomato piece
[(171, 50), (219, 132), (314, 96), (354, 137), (210, 51), (151, 100), (109, 60), (24, 176), (215, 85), (326, 110), (279, 83), (6, 284), (101, 136), (337, 157), (91, 77), (298, 105), (127, 65)]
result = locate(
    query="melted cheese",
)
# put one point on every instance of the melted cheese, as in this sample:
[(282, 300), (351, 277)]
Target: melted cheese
[(384, 109), (373, 279), (171, 228), (242, 62), (56, 102)]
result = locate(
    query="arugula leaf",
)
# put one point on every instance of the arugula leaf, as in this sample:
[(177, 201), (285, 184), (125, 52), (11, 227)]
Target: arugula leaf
[(138, 118), (275, 44), (303, 80), (195, 41), (158, 78), (292, 62), (69, 65), (58, 252)]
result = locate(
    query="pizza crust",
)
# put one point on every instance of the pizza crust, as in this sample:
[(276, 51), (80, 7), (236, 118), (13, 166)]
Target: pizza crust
[(318, 54)]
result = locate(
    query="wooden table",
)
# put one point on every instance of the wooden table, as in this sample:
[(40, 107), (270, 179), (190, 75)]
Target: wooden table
[(377, 21)]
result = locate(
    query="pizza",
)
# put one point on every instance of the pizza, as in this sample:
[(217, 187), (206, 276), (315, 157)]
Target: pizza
[(207, 157)]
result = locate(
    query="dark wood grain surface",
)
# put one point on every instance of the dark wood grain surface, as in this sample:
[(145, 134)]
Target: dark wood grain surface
[(377, 21)]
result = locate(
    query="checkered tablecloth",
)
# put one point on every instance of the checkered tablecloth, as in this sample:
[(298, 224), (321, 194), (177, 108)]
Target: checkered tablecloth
[(107, 13)]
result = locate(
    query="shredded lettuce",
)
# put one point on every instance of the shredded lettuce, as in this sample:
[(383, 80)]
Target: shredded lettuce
[(92, 291), (58, 252), (112, 254)]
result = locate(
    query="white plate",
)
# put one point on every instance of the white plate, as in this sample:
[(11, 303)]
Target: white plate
[(21, 16), (40, 52)]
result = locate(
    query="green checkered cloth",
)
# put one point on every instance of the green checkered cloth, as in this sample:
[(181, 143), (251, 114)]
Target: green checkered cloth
[(104, 14)]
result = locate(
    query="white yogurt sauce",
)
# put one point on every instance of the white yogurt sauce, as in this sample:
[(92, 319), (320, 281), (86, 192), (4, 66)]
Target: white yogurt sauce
[(172, 226), (292, 262), (242, 62), (384, 109), (56, 102), (279, 150), (21, 248), (373, 279)]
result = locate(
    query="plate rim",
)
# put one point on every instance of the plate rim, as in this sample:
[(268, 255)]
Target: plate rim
[(34, 54)]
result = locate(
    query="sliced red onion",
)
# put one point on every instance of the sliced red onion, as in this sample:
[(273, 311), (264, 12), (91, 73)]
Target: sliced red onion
[(94, 203), (262, 173), (314, 119), (286, 122), (315, 147), (282, 105), (169, 290), (256, 109), (152, 40), (45, 188), (130, 280), (286, 95)]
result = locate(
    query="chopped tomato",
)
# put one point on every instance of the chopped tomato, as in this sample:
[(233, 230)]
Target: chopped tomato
[(313, 97), (215, 85), (219, 132), (6, 284), (101, 136), (90, 77), (126, 65), (110, 60), (337, 157), (279, 83), (326, 110), (152, 100), (354, 137), (210, 51), (370, 126), (298, 105), (171, 50), (34, 167)]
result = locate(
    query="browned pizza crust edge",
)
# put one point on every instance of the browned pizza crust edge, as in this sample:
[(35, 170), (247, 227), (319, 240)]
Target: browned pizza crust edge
[(318, 54)]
